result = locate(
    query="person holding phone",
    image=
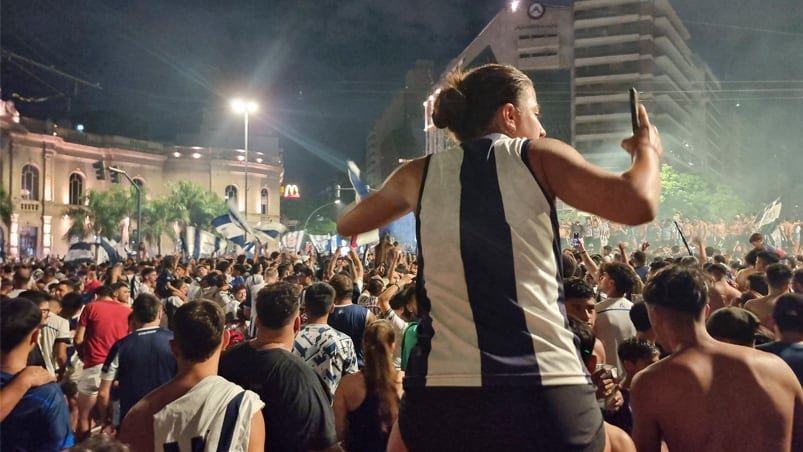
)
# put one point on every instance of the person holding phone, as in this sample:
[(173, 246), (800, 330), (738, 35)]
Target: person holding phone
[(494, 360)]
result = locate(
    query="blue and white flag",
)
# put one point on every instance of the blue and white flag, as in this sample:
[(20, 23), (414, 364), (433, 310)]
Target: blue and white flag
[(80, 253), (273, 230), (320, 242), (188, 241), (206, 244), (238, 219), (291, 241), (108, 252), (229, 230), (360, 192)]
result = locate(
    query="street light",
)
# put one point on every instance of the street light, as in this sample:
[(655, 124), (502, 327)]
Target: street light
[(245, 107), (306, 222)]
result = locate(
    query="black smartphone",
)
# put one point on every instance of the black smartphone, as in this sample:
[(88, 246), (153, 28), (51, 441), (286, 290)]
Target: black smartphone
[(634, 108), (576, 239)]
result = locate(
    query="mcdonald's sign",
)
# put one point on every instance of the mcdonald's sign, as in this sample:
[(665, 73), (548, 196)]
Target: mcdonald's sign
[(291, 191)]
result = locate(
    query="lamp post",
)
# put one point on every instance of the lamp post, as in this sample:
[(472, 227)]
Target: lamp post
[(245, 107), (306, 222)]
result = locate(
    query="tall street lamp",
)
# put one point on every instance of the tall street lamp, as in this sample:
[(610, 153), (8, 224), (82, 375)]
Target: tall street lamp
[(245, 107)]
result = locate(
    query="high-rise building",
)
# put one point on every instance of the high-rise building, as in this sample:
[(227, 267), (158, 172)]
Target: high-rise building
[(584, 58), (397, 134)]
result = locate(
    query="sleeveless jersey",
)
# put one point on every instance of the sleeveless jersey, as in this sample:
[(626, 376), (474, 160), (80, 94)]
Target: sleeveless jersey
[(489, 284), (214, 415)]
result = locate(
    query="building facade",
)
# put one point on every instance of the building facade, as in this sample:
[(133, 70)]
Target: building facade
[(46, 169), (584, 58), (397, 134)]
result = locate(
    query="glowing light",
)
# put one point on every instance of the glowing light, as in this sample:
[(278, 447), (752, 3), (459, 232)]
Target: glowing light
[(259, 160), (337, 201), (240, 158), (177, 154), (196, 155), (244, 106), (514, 5), (79, 127)]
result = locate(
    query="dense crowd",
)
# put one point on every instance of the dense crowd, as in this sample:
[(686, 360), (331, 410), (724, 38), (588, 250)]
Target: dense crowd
[(321, 342)]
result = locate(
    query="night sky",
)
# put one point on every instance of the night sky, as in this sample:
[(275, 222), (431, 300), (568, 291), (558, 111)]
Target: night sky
[(323, 70)]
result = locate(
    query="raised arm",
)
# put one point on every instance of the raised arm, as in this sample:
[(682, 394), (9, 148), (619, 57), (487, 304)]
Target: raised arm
[(630, 198), (397, 197)]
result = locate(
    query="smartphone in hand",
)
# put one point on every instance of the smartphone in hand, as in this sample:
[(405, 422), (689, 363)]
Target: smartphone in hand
[(634, 109)]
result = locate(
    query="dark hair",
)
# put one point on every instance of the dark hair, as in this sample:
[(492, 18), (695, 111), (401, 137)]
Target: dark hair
[(679, 288), (403, 297), (569, 265), (788, 313), (756, 236), (639, 317), (778, 275), (577, 288), (639, 257), (277, 305), (18, 317), (657, 265), (104, 292), (585, 336), (146, 307), (119, 285), (751, 256), (634, 349), (374, 286), (621, 274), (36, 296), (758, 282), (797, 277), (318, 299), (344, 287), (467, 104), (198, 329), (737, 325)]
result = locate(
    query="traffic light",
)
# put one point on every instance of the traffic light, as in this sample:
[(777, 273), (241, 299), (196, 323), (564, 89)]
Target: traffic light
[(115, 177), (100, 170)]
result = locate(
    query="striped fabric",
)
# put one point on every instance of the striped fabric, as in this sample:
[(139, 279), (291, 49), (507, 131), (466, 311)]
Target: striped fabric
[(489, 280)]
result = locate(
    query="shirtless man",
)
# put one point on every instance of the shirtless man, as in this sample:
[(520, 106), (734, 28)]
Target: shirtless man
[(779, 279), (720, 293), (709, 395)]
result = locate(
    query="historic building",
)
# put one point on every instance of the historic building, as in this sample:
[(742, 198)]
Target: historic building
[(45, 169)]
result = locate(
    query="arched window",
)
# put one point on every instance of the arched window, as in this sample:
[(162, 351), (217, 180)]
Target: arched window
[(263, 204), (231, 192), (30, 183), (76, 189)]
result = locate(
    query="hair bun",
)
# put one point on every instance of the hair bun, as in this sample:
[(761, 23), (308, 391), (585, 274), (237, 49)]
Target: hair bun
[(450, 107)]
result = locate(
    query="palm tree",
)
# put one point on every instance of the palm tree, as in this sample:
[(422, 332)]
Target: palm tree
[(157, 219), (100, 214), (194, 205), (6, 207)]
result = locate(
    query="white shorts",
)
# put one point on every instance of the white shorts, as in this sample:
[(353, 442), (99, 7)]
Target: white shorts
[(89, 383)]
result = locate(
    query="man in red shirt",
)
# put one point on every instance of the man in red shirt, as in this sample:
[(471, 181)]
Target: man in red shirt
[(103, 322)]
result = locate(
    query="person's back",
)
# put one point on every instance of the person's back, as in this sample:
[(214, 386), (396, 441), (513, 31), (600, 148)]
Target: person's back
[(709, 395), (197, 409), (297, 411), (743, 399), (788, 316)]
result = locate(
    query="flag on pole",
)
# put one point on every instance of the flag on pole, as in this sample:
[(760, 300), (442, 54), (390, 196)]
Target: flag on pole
[(360, 192), (291, 241), (228, 229)]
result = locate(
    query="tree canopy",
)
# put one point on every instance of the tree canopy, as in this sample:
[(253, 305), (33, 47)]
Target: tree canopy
[(696, 196)]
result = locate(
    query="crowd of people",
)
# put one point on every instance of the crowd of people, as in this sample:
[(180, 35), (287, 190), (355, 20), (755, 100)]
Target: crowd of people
[(494, 335)]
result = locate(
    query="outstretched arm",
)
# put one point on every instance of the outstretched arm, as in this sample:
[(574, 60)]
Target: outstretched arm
[(397, 197)]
